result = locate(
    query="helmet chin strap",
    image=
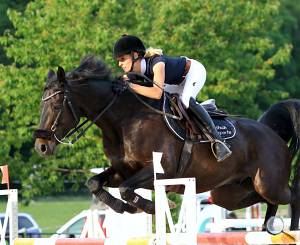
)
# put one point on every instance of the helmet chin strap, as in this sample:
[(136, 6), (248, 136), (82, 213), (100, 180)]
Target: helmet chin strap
[(133, 60)]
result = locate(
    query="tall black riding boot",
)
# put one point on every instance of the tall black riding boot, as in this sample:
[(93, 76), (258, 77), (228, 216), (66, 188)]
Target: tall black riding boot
[(219, 148)]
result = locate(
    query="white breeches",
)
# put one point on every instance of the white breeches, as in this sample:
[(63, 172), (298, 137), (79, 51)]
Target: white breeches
[(191, 85)]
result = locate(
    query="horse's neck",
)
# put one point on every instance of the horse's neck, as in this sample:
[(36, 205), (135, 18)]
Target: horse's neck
[(96, 97), (122, 114)]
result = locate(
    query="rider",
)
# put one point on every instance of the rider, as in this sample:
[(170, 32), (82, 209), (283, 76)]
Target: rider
[(179, 75)]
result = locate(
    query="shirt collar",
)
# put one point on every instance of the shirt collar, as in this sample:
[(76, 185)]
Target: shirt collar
[(143, 66)]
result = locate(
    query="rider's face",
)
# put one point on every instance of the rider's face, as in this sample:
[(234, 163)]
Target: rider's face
[(125, 62)]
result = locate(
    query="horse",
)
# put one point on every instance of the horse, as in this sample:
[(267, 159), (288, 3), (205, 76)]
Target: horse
[(258, 170)]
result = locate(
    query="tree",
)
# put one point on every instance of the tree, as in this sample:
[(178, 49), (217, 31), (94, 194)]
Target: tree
[(287, 77), (238, 42), (4, 21), (235, 40)]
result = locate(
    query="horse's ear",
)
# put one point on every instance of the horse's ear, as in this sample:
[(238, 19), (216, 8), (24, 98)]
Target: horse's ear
[(61, 76), (50, 74)]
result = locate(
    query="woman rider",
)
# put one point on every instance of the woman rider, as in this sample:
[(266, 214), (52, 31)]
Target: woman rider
[(179, 75)]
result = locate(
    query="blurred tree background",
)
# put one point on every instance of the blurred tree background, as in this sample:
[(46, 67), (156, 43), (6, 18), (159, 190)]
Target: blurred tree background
[(249, 48), (5, 23)]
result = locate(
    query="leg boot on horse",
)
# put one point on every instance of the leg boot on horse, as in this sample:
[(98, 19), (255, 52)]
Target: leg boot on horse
[(95, 185)]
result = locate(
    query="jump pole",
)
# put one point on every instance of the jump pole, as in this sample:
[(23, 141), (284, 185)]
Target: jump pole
[(185, 230), (11, 216)]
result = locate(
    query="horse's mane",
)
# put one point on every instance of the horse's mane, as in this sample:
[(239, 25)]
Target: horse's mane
[(91, 67)]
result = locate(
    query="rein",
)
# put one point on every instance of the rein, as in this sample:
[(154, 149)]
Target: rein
[(82, 132), (180, 117)]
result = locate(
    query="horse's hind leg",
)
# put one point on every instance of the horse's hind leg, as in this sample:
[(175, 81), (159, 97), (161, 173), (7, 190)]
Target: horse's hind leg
[(273, 188), (271, 211), (295, 203), (110, 178), (143, 179), (295, 214), (241, 195), (236, 195)]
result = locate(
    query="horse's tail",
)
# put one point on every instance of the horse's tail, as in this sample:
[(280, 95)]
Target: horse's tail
[(284, 119)]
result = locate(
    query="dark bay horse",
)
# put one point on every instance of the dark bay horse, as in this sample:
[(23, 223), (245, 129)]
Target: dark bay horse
[(258, 170)]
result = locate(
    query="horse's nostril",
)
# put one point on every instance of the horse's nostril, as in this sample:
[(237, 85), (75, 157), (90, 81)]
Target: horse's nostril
[(43, 148)]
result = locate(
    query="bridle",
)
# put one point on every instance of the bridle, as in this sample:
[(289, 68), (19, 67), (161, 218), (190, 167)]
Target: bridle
[(51, 134), (78, 130)]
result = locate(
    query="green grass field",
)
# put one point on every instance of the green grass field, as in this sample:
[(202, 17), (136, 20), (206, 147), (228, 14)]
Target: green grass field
[(51, 213)]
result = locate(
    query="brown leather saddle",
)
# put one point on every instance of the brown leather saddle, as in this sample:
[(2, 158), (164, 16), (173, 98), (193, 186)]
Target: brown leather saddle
[(186, 129)]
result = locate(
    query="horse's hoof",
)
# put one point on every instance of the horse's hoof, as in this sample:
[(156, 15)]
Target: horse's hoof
[(149, 208), (93, 185)]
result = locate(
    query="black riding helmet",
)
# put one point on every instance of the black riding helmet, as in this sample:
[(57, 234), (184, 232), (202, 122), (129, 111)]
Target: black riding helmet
[(127, 44)]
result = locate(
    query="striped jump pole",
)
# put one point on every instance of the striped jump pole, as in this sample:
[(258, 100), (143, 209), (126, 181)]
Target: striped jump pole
[(60, 241), (225, 238), (244, 238)]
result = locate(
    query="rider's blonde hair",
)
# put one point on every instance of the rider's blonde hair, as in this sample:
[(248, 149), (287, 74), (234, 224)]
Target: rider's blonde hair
[(153, 51)]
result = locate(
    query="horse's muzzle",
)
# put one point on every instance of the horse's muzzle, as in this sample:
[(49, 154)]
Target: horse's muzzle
[(44, 147), (44, 142)]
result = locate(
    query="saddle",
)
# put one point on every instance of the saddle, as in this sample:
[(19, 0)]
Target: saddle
[(186, 129)]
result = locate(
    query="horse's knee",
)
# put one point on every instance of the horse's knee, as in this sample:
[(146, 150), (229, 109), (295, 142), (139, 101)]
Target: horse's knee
[(93, 184)]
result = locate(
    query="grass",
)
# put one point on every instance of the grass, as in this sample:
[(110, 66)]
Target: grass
[(51, 213)]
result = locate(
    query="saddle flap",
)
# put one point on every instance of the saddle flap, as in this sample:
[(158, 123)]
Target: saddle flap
[(223, 125)]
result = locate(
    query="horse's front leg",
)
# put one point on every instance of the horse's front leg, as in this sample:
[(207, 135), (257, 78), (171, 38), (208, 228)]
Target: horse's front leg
[(109, 178), (143, 179)]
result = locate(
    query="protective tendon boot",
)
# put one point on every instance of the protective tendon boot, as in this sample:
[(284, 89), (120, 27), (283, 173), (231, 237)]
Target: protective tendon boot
[(219, 148)]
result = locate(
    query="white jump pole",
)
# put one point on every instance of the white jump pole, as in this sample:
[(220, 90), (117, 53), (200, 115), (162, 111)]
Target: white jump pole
[(185, 230), (11, 214)]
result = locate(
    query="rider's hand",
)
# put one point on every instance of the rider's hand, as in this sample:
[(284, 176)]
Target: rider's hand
[(133, 86), (133, 77), (125, 78), (120, 85)]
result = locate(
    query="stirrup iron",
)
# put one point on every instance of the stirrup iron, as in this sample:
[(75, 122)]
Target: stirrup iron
[(227, 151)]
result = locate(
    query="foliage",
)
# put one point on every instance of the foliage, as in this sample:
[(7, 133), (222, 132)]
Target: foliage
[(4, 21), (239, 42), (287, 77)]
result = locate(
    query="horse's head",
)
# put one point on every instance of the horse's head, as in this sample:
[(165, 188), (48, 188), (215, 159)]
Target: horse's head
[(87, 91), (58, 114)]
